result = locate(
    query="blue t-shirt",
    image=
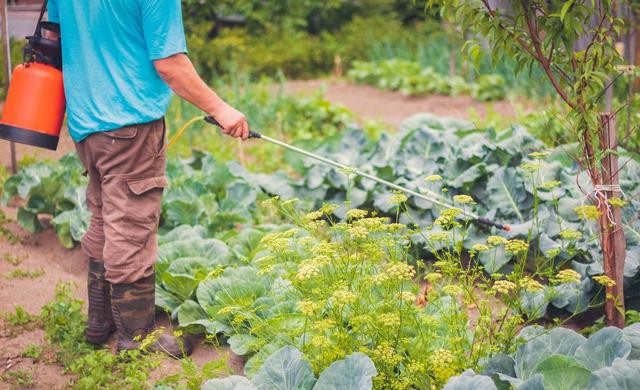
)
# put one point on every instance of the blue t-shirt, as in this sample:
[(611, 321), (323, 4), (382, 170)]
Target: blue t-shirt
[(108, 48)]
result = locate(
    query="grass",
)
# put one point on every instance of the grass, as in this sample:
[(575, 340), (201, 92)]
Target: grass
[(18, 378), (33, 351), (20, 273), (12, 259)]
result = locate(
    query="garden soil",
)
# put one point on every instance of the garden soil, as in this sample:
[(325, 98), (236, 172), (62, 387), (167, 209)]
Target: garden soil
[(42, 251)]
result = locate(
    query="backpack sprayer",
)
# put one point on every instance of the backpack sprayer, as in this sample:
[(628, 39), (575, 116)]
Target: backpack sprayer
[(428, 196), (35, 105)]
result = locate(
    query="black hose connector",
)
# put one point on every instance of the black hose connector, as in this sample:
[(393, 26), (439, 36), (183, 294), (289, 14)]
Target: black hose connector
[(210, 119), (488, 222)]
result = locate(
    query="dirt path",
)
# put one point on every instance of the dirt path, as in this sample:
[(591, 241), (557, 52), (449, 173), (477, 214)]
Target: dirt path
[(392, 108)]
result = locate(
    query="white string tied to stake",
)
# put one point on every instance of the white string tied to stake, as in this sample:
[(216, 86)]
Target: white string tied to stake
[(600, 194)]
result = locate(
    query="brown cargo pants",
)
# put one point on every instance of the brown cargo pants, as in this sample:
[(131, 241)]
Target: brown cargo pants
[(126, 169)]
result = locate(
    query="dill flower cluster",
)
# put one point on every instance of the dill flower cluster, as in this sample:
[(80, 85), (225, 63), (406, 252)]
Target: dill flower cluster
[(616, 202), (343, 297), (549, 185), (504, 286), (567, 276), (530, 285), (433, 277), (397, 198), (496, 240), (307, 270), (479, 248), (442, 236), (312, 216), (358, 232), (406, 296), (442, 366), (356, 214), (587, 212), (463, 199), (389, 319), (447, 219), (433, 178), (604, 280), (308, 308), (516, 246), (538, 155), (570, 234), (400, 271), (531, 166)]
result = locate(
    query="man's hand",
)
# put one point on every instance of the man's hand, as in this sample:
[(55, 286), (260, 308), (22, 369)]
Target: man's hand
[(233, 122), (178, 72)]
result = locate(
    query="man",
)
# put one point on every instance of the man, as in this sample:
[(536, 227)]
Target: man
[(121, 59)]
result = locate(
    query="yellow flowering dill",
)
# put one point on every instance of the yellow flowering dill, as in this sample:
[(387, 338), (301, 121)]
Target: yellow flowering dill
[(553, 252), (356, 214), (358, 232), (151, 338), (604, 280), (446, 219), (320, 341), (386, 354), (433, 178), (307, 270), (314, 215), (479, 247), (587, 212), (389, 319), (531, 166), (306, 241), (504, 286), (452, 289), (361, 321), (323, 325), (549, 185), (308, 308), (395, 227), (316, 225), (441, 365), (400, 271), (398, 198), (538, 155), (440, 236), (463, 199), (343, 297), (616, 202), (496, 240), (530, 285), (326, 248), (372, 223), (433, 277), (570, 234), (328, 208), (567, 276), (516, 246), (406, 296), (380, 278)]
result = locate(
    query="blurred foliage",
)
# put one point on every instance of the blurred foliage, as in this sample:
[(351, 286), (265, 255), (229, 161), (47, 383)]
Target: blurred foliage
[(304, 120), (16, 58)]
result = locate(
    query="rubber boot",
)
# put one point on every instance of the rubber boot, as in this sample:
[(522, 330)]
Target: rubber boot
[(100, 322), (133, 307)]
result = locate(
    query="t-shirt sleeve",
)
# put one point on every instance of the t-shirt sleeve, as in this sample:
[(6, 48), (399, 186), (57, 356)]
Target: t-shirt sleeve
[(52, 11), (163, 28)]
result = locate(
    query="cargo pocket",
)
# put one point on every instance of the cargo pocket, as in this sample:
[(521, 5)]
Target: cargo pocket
[(127, 132), (143, 207)]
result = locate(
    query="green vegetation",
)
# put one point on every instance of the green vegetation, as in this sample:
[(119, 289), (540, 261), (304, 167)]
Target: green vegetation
[(33, 351), (18, 378), (408, 78), (14, 260), (19, 273)]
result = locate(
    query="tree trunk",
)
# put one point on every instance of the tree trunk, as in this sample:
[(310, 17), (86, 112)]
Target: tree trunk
[(611, 229)]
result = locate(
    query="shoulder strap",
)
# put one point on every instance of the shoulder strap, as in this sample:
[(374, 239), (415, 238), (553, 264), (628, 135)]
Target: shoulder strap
[(38, 33)]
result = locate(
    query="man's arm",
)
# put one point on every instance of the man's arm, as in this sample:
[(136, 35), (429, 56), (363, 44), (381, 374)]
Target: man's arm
[(181, 76)]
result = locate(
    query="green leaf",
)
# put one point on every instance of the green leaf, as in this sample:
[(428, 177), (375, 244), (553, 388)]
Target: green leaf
[(355, 372), (562, 372), (242, 344), (558, 341), (632, 335), (622, 375), (233, 382), (468, 380), (602, 348), (285, 370)]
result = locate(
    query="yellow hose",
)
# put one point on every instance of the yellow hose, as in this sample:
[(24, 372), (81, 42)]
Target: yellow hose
[(184, 127)]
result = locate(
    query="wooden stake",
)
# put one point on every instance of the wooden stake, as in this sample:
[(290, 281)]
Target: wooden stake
[(611, 230)]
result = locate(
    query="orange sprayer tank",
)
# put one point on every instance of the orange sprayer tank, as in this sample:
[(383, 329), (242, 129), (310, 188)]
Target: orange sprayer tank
[(35, 105)]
